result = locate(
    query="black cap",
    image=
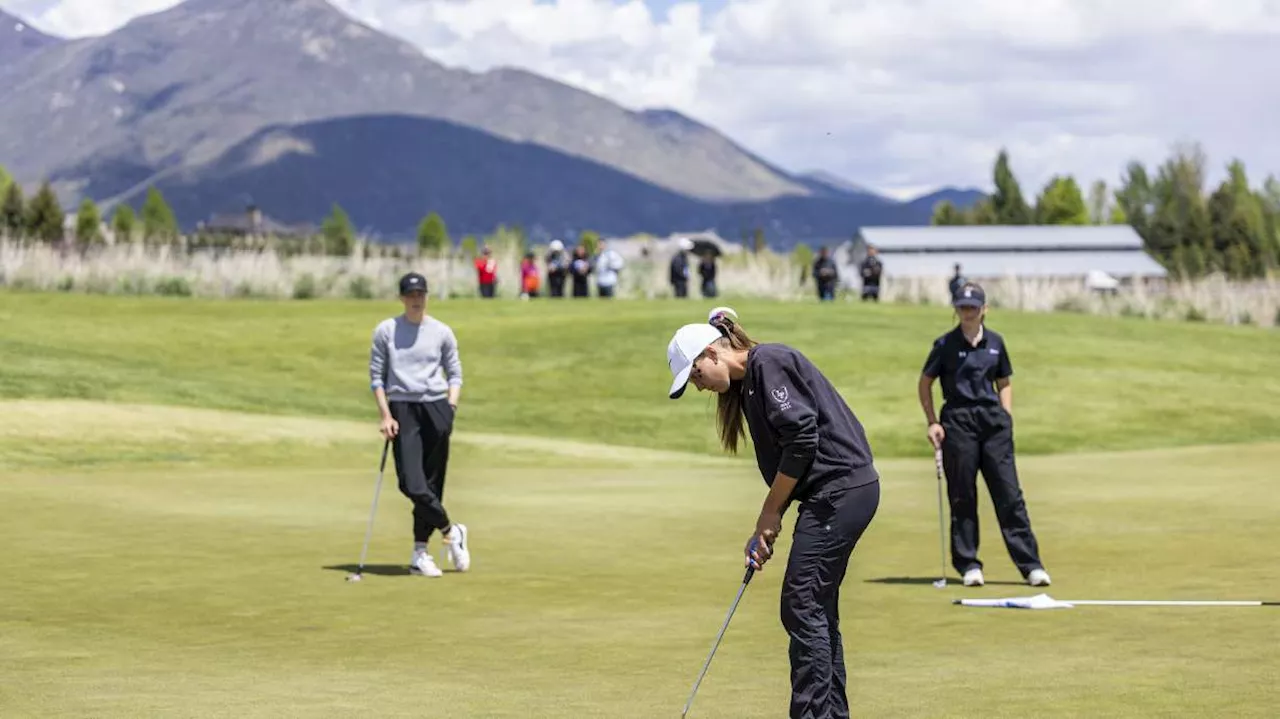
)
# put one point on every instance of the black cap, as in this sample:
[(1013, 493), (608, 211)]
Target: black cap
[(969, 296), (413, 282)]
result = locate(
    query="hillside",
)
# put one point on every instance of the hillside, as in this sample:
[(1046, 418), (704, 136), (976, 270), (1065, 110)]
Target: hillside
[(179, 87), (385, 169), (18, 40)]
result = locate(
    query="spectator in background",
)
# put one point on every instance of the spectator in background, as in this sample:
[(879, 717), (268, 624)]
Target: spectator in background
[(707, 269), (871, 269), (529, 279), (579, 270), (557, 268), (680, 268), (608, 264), (487, 273), (957, 281), (826, 275)]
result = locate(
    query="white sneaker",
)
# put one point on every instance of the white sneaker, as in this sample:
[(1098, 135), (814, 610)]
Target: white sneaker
[(973, 578), (455, 542), (425, 565), (1038, 578)]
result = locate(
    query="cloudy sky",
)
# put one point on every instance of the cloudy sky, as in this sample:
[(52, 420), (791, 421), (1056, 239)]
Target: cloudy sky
[(896, 95)]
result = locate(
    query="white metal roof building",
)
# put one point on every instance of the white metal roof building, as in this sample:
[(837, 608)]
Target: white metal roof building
[(993, 251)]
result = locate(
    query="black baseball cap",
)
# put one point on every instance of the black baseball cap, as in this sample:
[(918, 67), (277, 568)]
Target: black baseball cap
[(412, 282), (969, 296)]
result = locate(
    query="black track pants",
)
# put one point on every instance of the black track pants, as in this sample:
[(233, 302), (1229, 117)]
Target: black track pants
[(421, 449), (827, 528), (981, 439)]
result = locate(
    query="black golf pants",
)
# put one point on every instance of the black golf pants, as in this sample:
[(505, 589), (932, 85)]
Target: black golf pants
[(421, 450), (980, 438), (828, 526)]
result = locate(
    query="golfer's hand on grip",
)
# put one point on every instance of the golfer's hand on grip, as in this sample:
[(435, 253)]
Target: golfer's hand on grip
[(759, 548), (936, 435), (389, 427)]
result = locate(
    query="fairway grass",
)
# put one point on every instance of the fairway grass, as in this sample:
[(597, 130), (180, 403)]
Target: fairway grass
[(596, 371), (185, 485), (215, 587)]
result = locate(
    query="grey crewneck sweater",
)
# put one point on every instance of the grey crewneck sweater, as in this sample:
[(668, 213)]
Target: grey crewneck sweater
[(414, 363)]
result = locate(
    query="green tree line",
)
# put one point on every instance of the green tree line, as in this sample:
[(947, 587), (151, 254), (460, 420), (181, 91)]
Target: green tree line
[(1189, 228)]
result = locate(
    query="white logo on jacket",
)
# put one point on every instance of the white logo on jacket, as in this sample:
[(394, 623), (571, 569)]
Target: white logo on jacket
[(782, 397)]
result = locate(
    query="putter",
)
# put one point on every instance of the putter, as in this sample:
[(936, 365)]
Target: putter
[(942, 535), (359, 573), (746, 579)]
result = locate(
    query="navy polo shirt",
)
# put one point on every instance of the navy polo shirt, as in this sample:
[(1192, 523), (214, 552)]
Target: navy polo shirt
[(969, 372)]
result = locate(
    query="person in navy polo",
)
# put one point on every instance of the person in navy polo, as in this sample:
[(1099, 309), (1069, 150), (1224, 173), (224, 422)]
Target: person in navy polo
[(975, 433)]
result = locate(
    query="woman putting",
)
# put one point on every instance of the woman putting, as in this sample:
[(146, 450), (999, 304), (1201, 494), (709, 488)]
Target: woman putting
[(976, 433), (813, 451)]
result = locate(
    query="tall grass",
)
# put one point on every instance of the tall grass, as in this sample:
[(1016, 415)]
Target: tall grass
[(371, 272)]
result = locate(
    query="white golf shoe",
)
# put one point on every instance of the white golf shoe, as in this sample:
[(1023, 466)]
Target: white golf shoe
[(423, 564), (455, 543), (1038, 578), (973, 578)]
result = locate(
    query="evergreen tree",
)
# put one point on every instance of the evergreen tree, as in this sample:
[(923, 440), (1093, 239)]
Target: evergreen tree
[(339, 234), (45, 218), (13, 212), (88, 223), (433, 236), (5, 179), (1007, 202), (158, 221), (983, 212), (124, 223), (1239, 226)]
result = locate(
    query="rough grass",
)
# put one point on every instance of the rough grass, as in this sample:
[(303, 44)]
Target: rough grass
[(595, 371), (215, 587)]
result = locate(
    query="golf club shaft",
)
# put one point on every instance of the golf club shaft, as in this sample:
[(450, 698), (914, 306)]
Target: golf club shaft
[(368, 532), (942, 531), (746, 579)]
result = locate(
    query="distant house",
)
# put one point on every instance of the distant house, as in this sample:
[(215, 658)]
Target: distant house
[(1100, 255), (251, 222)]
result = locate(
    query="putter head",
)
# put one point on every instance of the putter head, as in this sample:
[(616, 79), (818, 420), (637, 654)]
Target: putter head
[(353, 577), (939, 583)]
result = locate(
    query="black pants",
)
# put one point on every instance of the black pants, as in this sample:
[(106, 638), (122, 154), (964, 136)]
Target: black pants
[(981, 438), (555, 281), (828, 527), (421, 450), (680, 287)]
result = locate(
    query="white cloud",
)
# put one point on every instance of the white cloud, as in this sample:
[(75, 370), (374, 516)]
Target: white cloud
[(892, 94)]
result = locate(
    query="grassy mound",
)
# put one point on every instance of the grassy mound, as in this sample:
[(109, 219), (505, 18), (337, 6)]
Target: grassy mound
[(596, 371)]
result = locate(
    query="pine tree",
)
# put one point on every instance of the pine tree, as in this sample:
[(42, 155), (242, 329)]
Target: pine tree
[(13, 212), (1007, 202), (158, 221), (45, 218), (88, 223), (433, 235), (339, 234), (124, 223)]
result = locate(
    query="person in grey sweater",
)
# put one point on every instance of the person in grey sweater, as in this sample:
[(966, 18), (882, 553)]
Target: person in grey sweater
[(416, 377)]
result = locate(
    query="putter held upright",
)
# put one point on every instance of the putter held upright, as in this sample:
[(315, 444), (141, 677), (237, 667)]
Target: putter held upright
[(942, 531), (382, 468)]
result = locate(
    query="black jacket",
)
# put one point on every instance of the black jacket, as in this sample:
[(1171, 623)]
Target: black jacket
[(800, 425)]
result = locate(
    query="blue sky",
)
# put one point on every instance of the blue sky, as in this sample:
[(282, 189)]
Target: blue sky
[(896, 95)]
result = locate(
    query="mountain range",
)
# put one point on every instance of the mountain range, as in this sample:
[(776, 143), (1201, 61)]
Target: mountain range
[(293, 106)]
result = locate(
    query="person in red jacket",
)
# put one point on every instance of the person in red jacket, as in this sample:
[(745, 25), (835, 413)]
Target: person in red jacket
[(487, 272)]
